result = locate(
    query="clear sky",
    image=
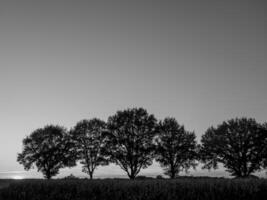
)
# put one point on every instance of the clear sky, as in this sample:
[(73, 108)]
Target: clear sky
[(201, 62)]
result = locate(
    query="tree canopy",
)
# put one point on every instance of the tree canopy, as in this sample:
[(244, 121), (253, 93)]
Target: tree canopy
[(49, 149), (90, 143), (130, 134), (176, 148), (239, 144), (132, 138)]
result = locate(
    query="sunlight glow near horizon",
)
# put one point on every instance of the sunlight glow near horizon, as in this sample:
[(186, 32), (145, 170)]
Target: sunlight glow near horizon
[(18, 177)]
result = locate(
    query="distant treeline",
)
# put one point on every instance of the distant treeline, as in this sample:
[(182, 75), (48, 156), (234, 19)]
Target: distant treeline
[(133, 138)]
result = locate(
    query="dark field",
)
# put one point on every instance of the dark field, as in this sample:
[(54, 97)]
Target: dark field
[(6, 182), (189, 189)]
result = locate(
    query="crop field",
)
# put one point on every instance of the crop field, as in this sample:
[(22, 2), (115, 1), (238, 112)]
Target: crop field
[(180, 189)]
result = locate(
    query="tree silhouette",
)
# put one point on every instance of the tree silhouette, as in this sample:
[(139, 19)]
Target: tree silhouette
[(176, 148), (130, 134), (49, 148), (239, 144), (89, 141)]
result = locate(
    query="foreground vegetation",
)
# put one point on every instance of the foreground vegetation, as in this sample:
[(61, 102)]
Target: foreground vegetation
[(6, 182), (184, 188)]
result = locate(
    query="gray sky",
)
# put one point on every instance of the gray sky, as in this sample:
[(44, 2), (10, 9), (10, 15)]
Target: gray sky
[(201, 62)]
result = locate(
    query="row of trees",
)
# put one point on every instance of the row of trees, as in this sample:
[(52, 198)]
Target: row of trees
[(132, 138)]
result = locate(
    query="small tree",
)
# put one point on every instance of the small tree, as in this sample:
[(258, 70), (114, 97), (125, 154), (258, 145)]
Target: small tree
[(49, 148), (176, 148), (90, 142), (130, 134), (239, 144)]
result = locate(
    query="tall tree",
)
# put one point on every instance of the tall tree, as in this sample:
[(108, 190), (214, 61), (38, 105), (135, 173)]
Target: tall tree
[(130, 134), (49, 149), (175, 148), (239, 144), (90, 142)]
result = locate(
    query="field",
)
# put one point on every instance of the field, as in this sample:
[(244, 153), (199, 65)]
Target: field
[(6, 182), (180, 189)]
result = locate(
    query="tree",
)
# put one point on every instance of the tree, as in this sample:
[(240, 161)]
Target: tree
[(130, 134), (90, 142), (176, 148), (49, 148), (239, 144), (265, 153)]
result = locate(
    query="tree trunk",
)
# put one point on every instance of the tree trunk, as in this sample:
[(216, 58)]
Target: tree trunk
[(172, 172), (91, 175), (172, 175), (90, 171), (132, 176), (48, 175)]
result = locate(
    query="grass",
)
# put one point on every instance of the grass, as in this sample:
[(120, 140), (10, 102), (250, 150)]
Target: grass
[(6, 182), (180, 189)]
